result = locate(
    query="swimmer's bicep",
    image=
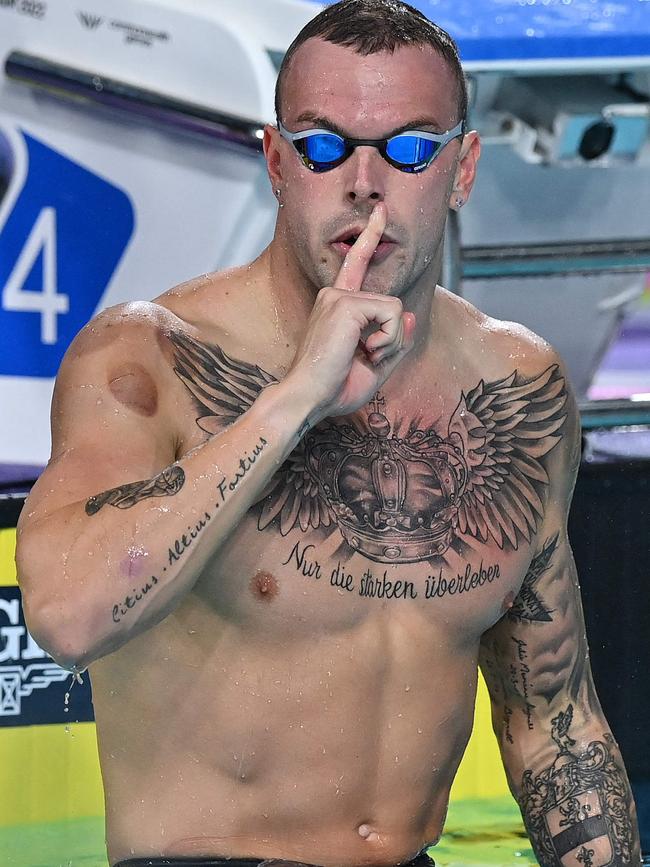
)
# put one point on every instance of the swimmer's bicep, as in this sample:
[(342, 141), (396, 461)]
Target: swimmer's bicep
[(535, 659)]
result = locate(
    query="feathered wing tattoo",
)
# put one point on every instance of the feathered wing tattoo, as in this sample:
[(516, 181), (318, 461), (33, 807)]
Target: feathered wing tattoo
[(223, 388), (528, 605), (503, 429), (484, 473)]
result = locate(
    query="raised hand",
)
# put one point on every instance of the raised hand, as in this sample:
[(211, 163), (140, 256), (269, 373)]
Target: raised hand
[(334, 365)]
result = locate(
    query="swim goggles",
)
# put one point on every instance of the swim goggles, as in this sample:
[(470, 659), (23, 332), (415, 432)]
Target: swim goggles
[(412, 151)]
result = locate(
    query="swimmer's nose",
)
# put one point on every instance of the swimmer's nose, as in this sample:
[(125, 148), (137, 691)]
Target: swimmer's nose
[(365, 176)]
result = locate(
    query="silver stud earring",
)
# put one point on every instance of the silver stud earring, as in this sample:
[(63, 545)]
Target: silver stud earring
[(278, 193), (460, 201)]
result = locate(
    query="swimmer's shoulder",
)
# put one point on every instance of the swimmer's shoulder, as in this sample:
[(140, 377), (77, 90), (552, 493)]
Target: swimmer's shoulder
[(500, 347), (133, 344), (116, 379), (134, 332), (497, 350), (140, 330)]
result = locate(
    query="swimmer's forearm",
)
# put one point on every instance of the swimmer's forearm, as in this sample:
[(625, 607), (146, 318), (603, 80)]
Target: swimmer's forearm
[(575, 796), (126, 557)]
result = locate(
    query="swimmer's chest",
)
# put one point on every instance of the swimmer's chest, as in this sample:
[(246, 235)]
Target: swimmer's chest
[(311, 582), (359, 521), (428, 500)]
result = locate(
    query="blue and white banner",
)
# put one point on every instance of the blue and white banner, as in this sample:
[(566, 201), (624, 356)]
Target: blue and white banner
[(34, 690), (63, 232)]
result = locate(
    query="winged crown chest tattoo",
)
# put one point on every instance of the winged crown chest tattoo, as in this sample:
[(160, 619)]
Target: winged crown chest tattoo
[(401, 491)]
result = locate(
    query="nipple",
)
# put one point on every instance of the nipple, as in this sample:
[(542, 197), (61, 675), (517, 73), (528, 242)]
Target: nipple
[(367, 833), (264, 586)]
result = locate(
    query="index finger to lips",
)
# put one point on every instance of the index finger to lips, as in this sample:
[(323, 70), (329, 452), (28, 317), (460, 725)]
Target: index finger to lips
[(355, 264)]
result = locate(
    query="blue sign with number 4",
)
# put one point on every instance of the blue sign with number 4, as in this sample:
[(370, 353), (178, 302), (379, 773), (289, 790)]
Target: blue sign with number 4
[(59, 247)]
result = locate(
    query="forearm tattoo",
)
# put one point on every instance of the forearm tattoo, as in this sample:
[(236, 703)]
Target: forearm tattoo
[(182, 543), (165, 484), (578, 810)]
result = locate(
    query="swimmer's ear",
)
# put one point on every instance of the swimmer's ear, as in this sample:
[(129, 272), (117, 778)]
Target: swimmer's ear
[(271, 145), (470, 151)]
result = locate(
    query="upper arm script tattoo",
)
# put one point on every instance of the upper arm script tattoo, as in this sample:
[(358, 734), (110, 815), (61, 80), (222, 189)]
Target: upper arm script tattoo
[(165, 484)]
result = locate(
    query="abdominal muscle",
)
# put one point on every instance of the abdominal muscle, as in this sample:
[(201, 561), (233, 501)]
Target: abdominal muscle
[(334, 749)]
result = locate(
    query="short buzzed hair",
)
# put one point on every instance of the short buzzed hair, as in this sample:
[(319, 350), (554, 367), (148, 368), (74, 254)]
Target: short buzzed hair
[(371, 26)]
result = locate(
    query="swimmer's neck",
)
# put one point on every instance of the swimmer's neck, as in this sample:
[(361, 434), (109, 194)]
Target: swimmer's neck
[(293, 294)]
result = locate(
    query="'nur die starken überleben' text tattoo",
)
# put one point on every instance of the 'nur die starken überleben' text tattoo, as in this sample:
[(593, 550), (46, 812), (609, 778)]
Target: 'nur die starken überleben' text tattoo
[(379, 586)]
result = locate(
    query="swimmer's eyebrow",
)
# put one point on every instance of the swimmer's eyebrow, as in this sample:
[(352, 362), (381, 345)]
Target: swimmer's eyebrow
[(325, 122)]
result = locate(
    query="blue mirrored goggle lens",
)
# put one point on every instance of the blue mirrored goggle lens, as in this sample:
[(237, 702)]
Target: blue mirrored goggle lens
[(411, 150), (323, 148)]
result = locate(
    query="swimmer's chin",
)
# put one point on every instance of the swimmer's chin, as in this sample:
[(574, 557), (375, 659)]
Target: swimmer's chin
[(382, 289)]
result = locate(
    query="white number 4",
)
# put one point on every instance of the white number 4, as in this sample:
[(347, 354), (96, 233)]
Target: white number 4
[(46, 302)]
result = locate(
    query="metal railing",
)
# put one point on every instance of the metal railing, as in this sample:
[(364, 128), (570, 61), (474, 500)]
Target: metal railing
[(73, 84), (558, 259)]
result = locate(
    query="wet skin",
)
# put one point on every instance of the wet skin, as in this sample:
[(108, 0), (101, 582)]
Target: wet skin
[(279, 710), (310, 696)]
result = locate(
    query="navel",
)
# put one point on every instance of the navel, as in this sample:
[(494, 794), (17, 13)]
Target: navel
[(264, 586)]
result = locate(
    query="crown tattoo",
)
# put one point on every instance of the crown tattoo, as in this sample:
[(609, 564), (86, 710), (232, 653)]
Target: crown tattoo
[(400, 497)]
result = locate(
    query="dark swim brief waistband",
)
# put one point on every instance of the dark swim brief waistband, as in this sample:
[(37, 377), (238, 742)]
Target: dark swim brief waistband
[(181, 861), (189, 862), (422, 860)]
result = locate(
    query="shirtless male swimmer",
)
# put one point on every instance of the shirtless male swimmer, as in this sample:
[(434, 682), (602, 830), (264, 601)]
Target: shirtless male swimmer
[(283, 524)]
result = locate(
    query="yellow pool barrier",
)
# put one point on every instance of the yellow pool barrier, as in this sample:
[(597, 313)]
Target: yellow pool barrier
[(51, 772)]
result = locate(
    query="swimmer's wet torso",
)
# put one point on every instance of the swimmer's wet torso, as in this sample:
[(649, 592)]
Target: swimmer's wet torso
[(312, 693), (283, 523), (300, 697)]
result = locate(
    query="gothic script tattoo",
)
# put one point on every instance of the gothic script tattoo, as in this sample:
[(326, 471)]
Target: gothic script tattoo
[(165, 484), (400, 492), (369, 584), (577, 811)]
